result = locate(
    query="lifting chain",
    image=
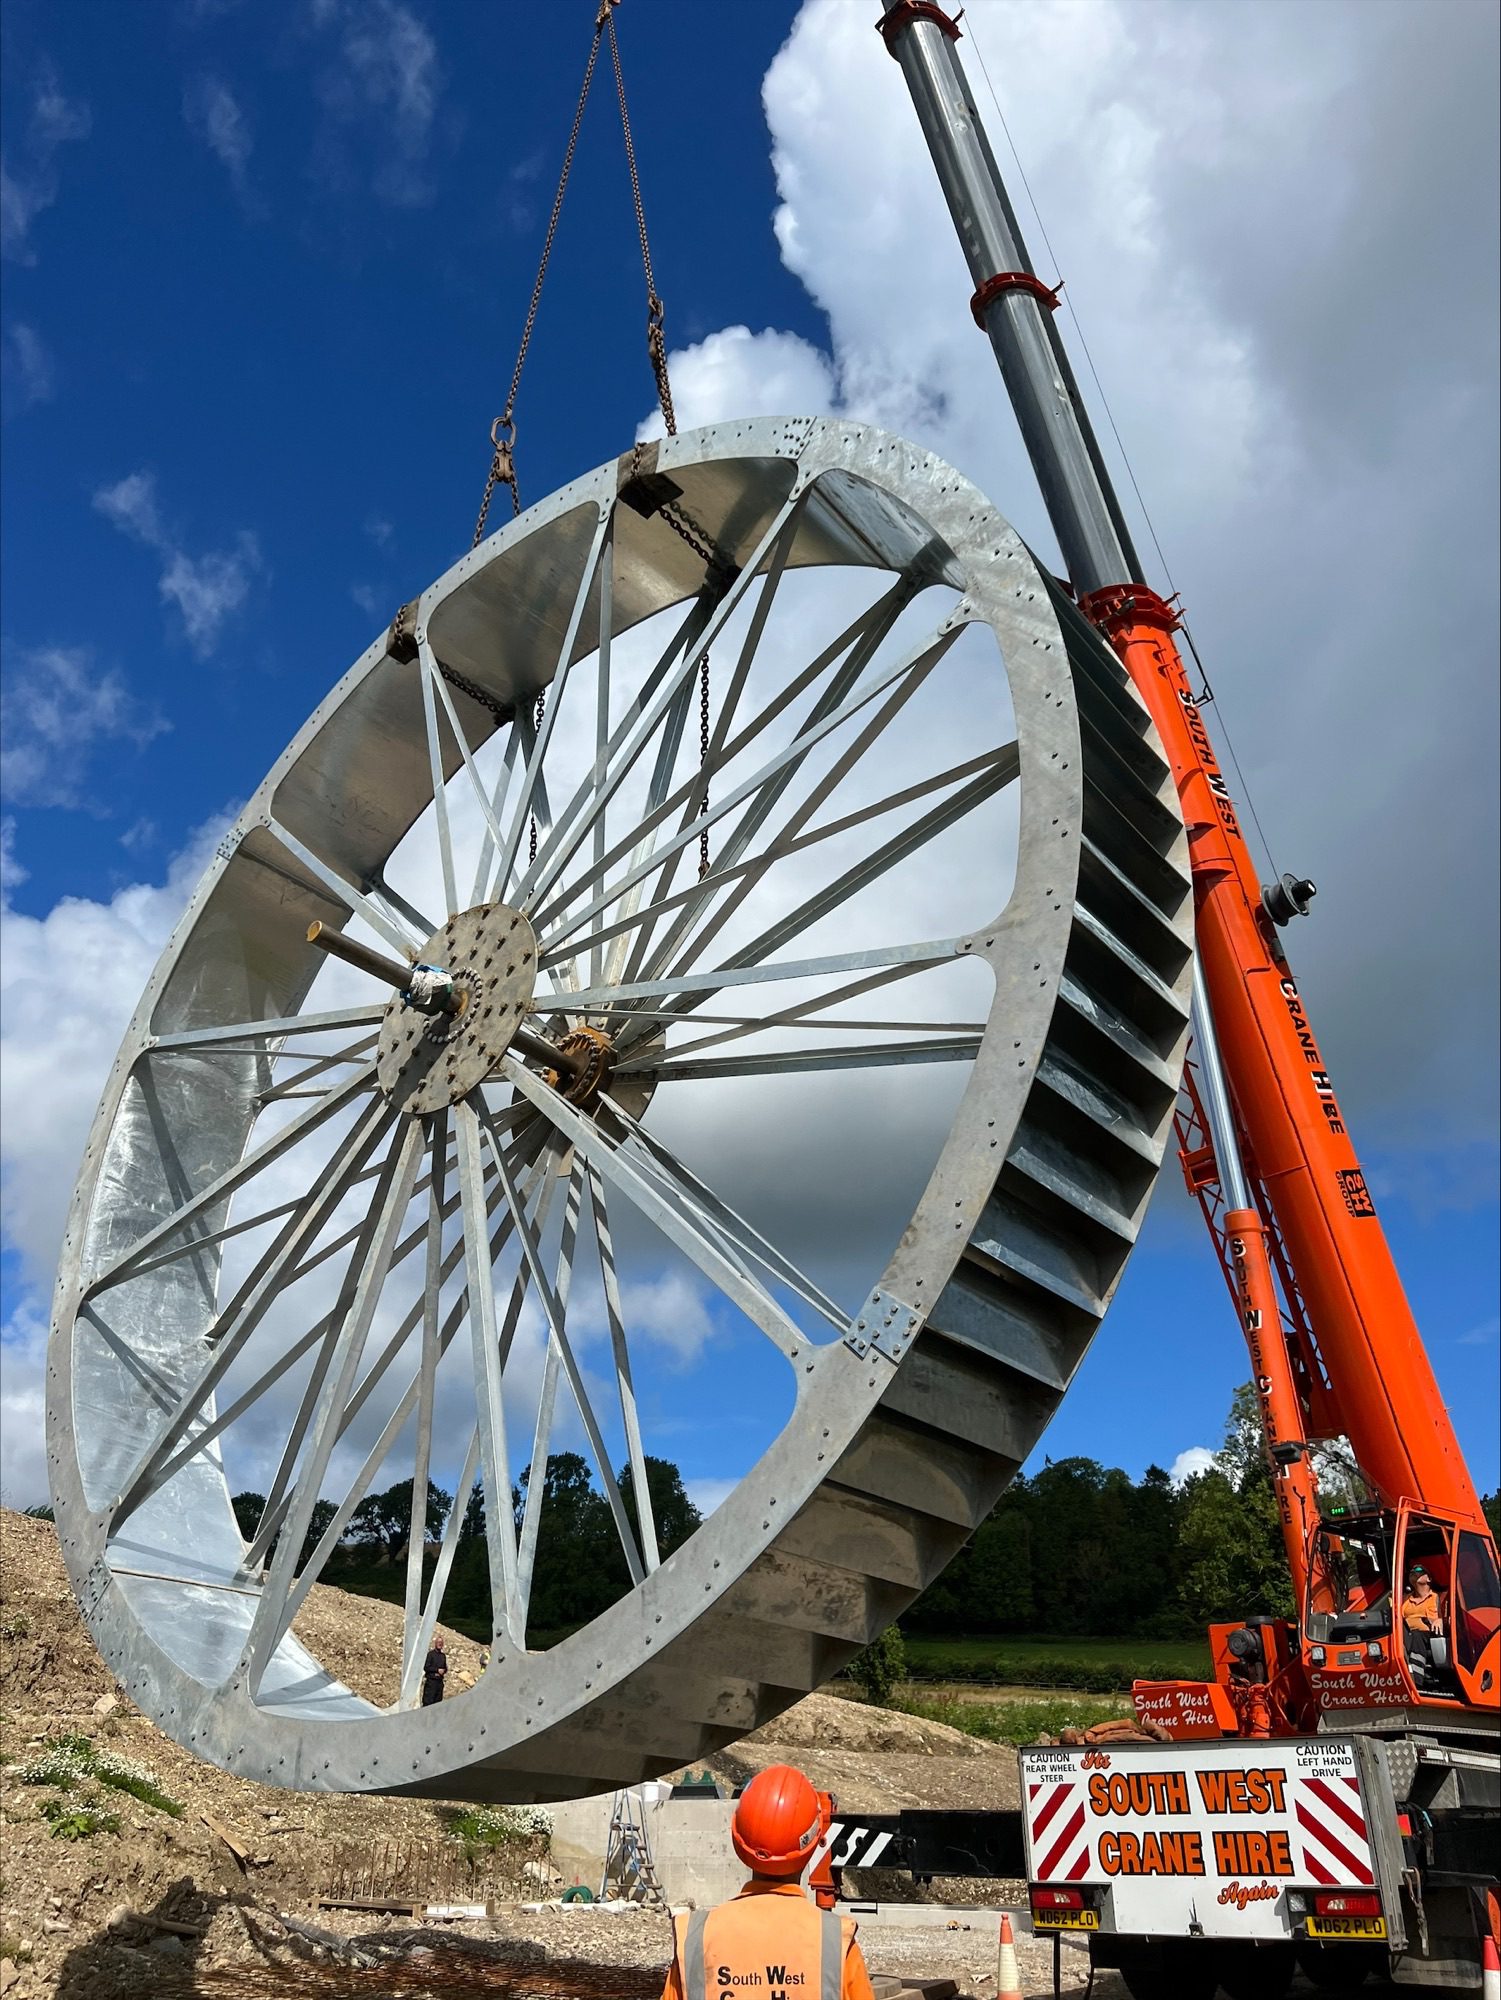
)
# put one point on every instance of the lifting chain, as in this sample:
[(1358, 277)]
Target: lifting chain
[(656, 343), (503, 431)]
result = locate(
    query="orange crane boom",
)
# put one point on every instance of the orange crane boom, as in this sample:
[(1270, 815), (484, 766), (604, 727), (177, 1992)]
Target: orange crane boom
[(1379, 1385), (1265, 1142)]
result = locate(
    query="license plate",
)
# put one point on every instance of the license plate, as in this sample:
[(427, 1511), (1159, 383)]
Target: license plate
[(1326, 1928), (1065, 1920)]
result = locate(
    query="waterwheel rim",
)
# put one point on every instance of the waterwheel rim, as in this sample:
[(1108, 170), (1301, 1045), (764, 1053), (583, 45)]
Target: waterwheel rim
[(915, 1396)]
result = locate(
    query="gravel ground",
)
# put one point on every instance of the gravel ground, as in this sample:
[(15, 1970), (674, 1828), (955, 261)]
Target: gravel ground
[(162, 1908)]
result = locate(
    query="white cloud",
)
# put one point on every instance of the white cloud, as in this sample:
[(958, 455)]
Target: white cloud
[(1297, 431), (671, 1311), (739, 373), (707, 1494), (69, 982), (12, 874), (58, 706), (208, 589), (27, 370), (214, 114), (23, 1405), (1189, 1464), (31, 184), (386, 79), (1484, 1335)]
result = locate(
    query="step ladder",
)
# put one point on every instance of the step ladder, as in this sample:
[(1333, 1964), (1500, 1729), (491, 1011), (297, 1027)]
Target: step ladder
[(630, 1874)]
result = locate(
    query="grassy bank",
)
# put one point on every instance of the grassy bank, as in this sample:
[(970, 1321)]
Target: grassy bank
[(1094, 1666), (1001, 1721)]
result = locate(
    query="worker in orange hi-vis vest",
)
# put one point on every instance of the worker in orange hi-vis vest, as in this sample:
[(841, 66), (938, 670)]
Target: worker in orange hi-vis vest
[(770, 1942)]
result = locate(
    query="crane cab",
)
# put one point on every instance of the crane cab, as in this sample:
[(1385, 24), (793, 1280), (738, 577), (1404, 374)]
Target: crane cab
[(1403, 1610)]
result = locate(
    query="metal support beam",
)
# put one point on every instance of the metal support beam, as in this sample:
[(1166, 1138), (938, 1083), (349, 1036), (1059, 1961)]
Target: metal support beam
[(1015, 313)]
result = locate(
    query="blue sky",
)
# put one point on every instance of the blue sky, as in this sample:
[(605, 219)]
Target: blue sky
[(265, 272)]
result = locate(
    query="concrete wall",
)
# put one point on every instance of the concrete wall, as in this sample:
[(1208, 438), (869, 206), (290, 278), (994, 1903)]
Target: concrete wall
[(690, 1844)]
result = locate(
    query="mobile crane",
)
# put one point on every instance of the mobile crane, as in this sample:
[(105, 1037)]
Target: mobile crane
[(1392, 1724)]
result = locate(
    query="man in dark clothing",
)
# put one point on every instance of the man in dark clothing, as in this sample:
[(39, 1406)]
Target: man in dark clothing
[(434, 1673)]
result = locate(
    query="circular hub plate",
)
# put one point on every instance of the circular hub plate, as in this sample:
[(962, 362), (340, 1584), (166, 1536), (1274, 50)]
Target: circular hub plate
[(427, 1061)]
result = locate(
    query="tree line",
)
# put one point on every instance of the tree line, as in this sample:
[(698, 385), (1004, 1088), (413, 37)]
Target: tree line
[(1076, 1549), (580, 1567), (1079, 1549)]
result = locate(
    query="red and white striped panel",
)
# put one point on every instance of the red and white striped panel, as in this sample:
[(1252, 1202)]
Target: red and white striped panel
[(1056, 1826), (1332, 1831)]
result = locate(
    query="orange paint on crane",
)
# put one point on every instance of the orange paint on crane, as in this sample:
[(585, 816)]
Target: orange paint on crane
[(1384, 1393)]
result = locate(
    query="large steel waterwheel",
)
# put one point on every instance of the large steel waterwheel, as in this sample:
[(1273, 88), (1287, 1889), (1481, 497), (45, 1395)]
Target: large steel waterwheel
[(842, 1018)]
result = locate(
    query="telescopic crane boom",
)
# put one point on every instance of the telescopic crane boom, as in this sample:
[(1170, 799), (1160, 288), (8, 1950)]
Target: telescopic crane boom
[(1266, 1144)]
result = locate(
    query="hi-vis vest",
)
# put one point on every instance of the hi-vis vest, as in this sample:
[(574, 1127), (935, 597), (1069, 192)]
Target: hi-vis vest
[(763, 1948)]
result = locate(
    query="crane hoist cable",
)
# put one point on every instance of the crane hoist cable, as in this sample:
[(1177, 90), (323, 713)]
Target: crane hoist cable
[(503, 430)]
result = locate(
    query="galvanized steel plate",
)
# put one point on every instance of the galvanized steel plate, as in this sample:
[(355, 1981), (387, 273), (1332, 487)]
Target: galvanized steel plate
[(909, 1420)]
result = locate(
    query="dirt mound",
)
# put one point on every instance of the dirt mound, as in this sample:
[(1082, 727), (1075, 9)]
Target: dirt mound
[(874, 1760), (211, 1917), (831, 1722), (58, 1892)]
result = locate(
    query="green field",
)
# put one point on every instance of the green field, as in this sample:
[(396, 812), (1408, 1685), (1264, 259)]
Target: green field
[(1099, 1665), (998, 1720)]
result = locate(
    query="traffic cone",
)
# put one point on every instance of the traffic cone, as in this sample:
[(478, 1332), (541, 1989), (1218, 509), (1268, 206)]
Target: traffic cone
[(1008, 1979), (1490, 1970)]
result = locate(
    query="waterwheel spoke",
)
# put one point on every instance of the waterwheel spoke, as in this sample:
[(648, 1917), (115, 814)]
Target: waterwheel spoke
[(709, 764), (554, 1308), (273, 1614), (994, 770), (537, 747), (296, 1086), (848, 659), (714, 751), (862, 634), (668, 745), (344, 890), (256, 1033), (542, 1432), (523, 1153), (803, 1062), (280, 1492), (224, 1185), (867, 870), (403, 1249), (419, 1633), (427, 1373), (729, 867), (242, 1226), (624, 1385), (643, 1190), (688, 795), (739, 1238), (440, 784), (495, 1462), (405, 912), (699, 630), (434, 677), (899, 957), (489, 845), (602, 713), (556, 849), (245, 1311), (912, 669)]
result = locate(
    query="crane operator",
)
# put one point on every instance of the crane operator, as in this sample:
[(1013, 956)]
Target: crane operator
[(1423, 1606), (770, 1942)]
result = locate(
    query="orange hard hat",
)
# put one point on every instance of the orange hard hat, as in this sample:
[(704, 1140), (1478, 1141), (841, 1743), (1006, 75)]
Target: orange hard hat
[(777, 1822)]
